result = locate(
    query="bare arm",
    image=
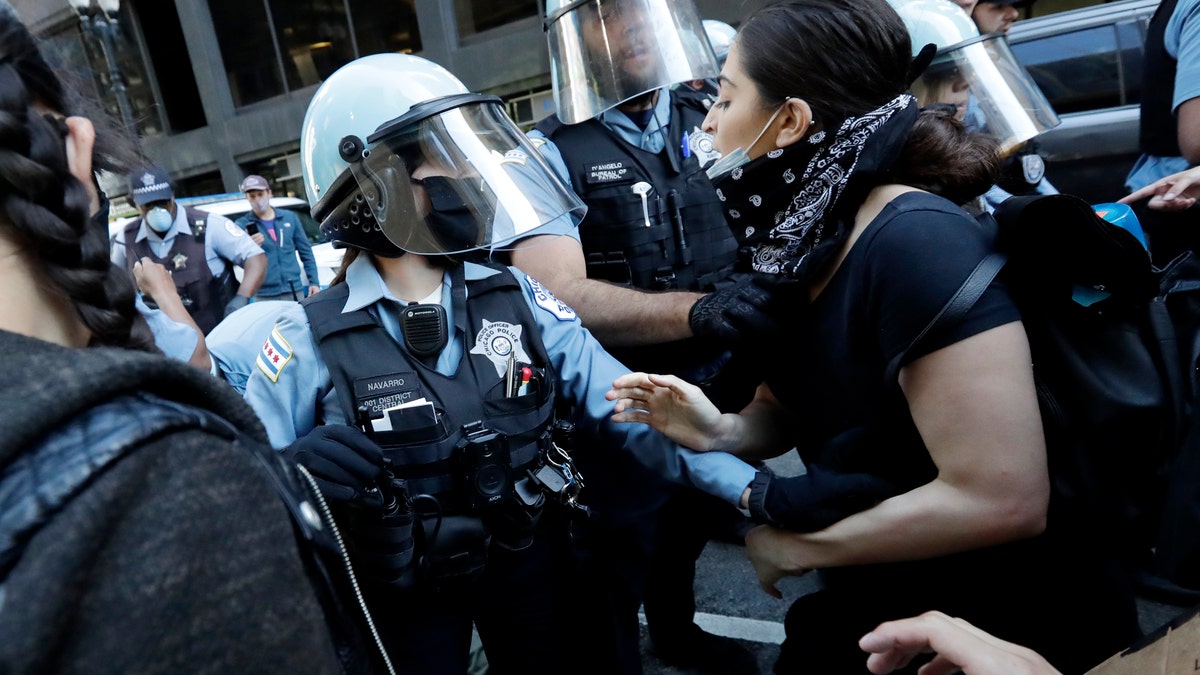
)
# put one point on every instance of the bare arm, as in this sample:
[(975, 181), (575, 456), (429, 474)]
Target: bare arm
[(254, 271), (617, 316), (1188, 125), (974, 405)]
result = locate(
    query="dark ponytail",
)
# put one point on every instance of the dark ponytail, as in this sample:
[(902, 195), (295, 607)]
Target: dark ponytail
[(43, 206), (848, 57)]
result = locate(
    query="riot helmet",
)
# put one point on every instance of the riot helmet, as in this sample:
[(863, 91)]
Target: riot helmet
[(398, 156), (976, 73), (720, 36), (605, 52)]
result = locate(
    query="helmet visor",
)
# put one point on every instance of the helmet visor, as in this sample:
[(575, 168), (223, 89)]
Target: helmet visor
[(463, 179), (992, 91), (603, 52)]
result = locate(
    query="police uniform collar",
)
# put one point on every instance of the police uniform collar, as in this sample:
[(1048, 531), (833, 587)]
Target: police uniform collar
[(620, 123), (179, 226), (367, 286)]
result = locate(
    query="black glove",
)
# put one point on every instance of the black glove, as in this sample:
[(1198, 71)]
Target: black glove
[(747, 310), (346, 464), (235, 303), (816, 499)]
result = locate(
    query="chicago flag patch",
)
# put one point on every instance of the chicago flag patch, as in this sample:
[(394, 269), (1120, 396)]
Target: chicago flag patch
[(275, 354)]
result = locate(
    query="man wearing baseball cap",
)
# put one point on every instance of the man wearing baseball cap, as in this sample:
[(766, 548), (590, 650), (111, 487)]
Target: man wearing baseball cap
[(282, 238), (198, 248), (997, 16)]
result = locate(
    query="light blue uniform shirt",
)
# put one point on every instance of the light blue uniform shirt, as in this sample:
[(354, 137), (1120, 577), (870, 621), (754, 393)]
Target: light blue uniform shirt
[(223, 240), (176, 340), (234, 343), (1181, 41), (300, 390)]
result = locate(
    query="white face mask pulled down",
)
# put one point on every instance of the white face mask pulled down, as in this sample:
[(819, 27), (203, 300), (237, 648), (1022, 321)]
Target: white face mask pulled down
[(739, 156)]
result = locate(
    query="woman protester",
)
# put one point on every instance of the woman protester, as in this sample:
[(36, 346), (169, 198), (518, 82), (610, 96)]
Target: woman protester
[(927, 484), (136, 535)]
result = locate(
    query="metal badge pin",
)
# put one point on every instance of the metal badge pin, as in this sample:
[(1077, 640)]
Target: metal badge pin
[(641, 189)]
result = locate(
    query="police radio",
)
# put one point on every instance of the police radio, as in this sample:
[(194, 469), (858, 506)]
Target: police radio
[(485, 467)]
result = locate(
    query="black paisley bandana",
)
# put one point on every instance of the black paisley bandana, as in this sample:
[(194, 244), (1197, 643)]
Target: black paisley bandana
[(781, 205)]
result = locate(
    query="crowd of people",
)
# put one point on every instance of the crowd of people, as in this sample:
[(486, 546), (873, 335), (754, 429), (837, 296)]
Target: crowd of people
[(551, 368)]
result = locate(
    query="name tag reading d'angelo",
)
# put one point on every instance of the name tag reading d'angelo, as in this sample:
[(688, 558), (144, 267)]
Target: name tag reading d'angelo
[(386, 391), (611, 171)]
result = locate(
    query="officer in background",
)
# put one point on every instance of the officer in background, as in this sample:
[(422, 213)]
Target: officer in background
[(991, 90), (720, 37), (454, 500), (198, 248), (282, 238), (653, 242)]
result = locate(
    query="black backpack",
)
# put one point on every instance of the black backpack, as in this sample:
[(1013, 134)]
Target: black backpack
[(1109, 365)]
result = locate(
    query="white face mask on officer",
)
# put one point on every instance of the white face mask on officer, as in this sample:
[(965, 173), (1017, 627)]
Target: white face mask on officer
[(159, 219)]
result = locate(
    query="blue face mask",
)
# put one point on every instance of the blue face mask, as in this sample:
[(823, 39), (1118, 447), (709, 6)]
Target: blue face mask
[(739, 156), (159, 219)]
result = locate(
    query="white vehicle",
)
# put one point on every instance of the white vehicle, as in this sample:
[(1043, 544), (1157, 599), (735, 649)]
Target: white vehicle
[(233, 206)]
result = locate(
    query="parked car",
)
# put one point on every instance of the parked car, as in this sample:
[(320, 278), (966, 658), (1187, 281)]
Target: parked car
[(1088, 63), (233, 206)]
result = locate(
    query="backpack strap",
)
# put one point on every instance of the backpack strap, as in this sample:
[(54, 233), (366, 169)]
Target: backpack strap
[(959, 304)]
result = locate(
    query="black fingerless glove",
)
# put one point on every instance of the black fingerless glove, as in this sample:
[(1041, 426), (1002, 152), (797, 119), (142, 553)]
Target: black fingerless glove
[(814, 500), (346, 464), (746, 310)]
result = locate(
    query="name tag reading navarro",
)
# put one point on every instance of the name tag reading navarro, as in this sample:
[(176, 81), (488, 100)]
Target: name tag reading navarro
[(612, 171), (386, 391)]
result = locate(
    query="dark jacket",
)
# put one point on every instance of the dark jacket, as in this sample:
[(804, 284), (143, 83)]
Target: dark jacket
[(283, 271), (177, 557)]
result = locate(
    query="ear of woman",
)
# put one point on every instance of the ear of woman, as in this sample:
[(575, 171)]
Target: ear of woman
[(794, 123), (81, 138)]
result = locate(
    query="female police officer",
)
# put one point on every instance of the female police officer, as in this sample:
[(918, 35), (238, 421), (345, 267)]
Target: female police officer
[(452, 368)]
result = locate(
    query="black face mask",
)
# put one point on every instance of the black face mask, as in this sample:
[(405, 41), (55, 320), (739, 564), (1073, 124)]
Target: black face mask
[(451, 222)]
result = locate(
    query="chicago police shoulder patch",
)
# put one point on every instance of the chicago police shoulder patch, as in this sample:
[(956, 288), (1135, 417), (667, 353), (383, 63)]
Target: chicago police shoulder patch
[(275, 354), (546, 300)]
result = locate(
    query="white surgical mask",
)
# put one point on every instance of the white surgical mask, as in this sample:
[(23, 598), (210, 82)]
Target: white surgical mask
[(159, 219), (739, 156)]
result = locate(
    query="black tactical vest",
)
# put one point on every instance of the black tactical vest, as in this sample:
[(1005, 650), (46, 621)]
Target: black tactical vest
[(687, 245), (1158, 134), (203, 294), (371, 372)]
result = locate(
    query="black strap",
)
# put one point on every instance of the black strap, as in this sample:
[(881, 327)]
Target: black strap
[(959, 304)]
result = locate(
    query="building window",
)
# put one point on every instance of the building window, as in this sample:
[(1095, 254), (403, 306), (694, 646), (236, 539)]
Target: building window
[(383, 27), (247, 48), (529, 108), (314, 39), (476, 16)]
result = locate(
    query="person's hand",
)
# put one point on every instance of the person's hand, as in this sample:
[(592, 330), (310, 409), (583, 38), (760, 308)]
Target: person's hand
[(152, 278), (745, 311), (258, 238), (235, 303), (815, 499), (958, 645), (346, 464), (769, 551), (676, 408), (1172, 193), (313, 290)]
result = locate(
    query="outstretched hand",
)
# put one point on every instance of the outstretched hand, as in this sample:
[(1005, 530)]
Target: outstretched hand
[(1172, 193), (958, 645), (668, 404)]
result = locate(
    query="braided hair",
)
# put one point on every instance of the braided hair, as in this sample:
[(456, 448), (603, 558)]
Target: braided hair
[(45, 208)]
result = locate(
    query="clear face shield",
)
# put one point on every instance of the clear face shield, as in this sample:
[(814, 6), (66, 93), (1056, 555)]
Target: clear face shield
[(604, 52), (992, 91), (456, 179)]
